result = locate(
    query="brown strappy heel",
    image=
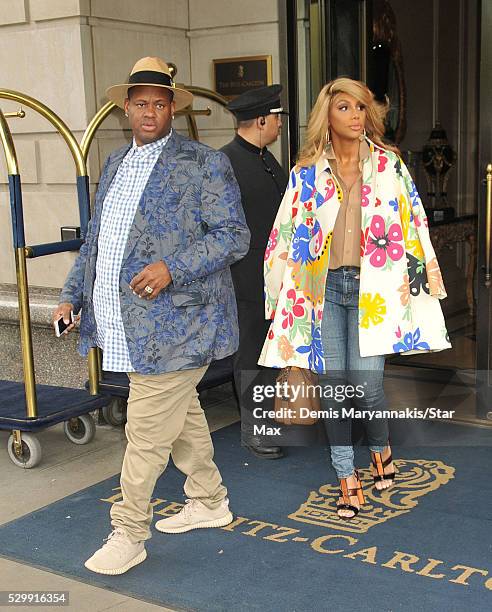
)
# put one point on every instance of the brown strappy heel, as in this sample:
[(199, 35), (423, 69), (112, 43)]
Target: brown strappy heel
[(379, 465), (346, 493)]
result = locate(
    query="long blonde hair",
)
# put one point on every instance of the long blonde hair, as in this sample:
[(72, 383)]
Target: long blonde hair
[(318, 128)]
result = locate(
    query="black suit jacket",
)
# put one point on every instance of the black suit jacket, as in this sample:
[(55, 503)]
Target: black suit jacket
[(262, 182)]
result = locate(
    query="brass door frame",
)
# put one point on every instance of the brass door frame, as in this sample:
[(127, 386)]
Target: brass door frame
[(484, 259), (483, 275)]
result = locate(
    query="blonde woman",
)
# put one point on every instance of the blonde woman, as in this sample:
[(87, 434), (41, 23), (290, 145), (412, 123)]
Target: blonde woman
[(350, 273)]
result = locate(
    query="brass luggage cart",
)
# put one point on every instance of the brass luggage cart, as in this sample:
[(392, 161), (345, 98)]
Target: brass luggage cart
[(27, 407)]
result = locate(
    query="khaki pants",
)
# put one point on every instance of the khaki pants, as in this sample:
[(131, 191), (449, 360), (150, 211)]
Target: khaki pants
[(164, 418)]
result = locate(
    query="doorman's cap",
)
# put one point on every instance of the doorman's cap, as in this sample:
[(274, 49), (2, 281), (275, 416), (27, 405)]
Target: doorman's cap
[(257, 103)]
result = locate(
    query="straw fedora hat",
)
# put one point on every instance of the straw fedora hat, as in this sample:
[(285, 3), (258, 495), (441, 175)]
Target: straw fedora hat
[(150, 71)]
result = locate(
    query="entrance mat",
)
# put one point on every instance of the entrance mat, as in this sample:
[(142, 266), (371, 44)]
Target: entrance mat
[(426, 544)]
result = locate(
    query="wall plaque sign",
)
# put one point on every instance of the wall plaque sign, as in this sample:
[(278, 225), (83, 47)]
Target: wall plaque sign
[(233, 76)]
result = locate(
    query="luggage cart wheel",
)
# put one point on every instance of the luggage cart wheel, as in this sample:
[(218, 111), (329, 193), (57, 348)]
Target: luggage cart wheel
[(115, 412), (81, 429), (27, 454)]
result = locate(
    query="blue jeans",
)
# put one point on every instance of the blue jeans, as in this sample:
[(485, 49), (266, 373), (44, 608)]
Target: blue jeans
[(345, 366)]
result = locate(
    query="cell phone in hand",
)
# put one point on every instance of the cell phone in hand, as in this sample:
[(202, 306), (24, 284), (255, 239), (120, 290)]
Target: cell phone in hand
[(61, 326)]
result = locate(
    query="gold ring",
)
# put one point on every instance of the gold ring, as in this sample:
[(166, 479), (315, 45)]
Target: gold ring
[(148, 289)]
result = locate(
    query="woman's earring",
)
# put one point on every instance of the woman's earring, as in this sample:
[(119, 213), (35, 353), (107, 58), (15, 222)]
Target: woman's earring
[(327, 138), (172, 116), (126, 114)]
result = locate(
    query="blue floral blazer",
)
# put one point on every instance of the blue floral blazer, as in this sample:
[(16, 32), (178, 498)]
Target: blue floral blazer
[(189, 216)]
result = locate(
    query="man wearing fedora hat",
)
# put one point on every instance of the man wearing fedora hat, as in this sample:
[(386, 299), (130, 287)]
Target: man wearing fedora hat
[(153, 283), (262, 182)]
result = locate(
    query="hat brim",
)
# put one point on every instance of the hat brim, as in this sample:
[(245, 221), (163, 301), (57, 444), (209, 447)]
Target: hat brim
[(119, 93)]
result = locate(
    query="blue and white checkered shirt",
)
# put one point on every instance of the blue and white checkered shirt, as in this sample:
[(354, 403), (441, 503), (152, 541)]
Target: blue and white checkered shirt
[(120, 206)]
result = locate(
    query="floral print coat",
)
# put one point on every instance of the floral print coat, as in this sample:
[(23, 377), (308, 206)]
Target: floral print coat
[(400, 279)]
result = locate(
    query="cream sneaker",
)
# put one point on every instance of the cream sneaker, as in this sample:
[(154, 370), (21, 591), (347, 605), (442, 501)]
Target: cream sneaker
[(118, 555), (195, 515)]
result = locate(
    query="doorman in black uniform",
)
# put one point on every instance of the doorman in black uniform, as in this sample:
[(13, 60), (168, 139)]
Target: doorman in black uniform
[(262, 182)]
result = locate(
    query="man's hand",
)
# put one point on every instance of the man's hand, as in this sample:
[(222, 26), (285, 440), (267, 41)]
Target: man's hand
[(155, 276), (62, 311)]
